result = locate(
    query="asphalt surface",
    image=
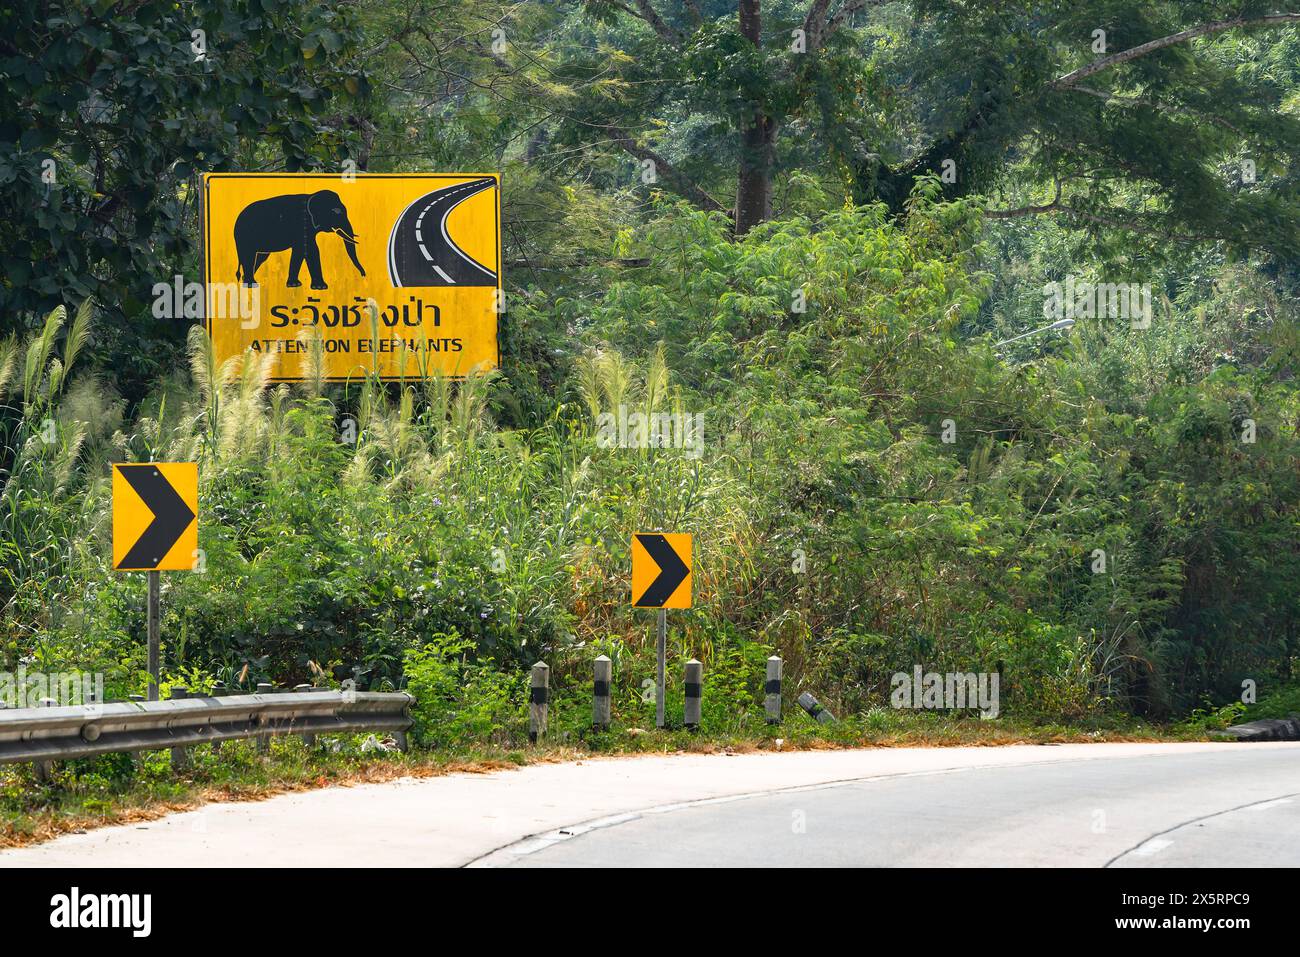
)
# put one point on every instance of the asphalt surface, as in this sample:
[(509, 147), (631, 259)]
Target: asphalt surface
[(1144, 805), (1240, 809), (420, 251)]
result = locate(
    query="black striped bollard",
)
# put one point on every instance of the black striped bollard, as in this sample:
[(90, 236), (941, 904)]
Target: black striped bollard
[(814, 709), (179, 693), (264, 740), (694, 691), (539, 690), (772, 690), (602, 670)]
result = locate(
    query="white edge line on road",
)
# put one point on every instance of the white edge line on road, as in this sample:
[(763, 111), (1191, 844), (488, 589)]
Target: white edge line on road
[(1155, 840), (1268, 804), (538, 842), (1152, 847)]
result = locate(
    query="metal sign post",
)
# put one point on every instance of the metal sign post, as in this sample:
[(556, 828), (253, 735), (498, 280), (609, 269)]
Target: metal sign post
[(661, 578), (154, 619), (155, 529), (663, 662)]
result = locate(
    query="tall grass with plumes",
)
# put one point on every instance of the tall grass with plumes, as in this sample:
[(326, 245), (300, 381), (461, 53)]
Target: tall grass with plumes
[(375, 530), (339, 528)]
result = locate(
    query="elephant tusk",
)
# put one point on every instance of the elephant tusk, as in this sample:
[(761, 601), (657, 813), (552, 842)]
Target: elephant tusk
[(351, 239)]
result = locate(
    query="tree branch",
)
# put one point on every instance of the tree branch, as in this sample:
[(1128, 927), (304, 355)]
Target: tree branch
[(1111, 98), (682, 183), (1205, 29), (816, 28), (1054, 205), (644, 11), (812, 23), (1130, 223), (846, 11)]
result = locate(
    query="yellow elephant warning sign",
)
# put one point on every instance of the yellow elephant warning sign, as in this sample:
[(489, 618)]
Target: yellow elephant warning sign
[(390, 275)]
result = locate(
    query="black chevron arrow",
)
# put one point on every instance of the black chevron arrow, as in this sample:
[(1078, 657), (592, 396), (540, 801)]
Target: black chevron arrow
[(672, 571), (171, 516)]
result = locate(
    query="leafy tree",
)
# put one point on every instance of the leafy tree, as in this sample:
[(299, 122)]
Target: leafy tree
[(1147, 119), (111, 111)]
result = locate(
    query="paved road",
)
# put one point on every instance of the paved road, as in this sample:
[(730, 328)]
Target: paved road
[(420, 251), (1189, 810), (1159, 804)]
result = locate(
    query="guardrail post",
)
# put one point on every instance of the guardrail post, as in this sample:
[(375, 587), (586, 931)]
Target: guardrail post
[(218, 691), (45, 769), (602, 670), (694, 692), (539, 693), (264, 737), (814, 709), (179, 693), (308, 738), (137, 757), (772, 690)]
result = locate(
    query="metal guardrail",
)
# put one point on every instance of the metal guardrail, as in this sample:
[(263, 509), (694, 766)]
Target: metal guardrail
[(82, 731)]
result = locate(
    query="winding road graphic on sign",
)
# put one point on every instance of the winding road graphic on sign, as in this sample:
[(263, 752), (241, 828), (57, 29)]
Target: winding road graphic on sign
[(422, 253)]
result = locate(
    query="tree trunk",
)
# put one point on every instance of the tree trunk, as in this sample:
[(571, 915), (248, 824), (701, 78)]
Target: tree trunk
[(758, 134)]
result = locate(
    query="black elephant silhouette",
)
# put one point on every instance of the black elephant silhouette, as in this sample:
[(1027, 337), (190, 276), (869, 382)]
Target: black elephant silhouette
[(292, 222)]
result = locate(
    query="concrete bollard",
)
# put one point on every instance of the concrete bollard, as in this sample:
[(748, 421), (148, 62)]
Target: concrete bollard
[(179, 760), (264, 740), (814, 709), (539, 691), (602, 670), (45, 769), (772, 690), (694, 692)]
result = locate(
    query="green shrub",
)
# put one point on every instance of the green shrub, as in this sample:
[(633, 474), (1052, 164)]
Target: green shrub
[(460, 701)]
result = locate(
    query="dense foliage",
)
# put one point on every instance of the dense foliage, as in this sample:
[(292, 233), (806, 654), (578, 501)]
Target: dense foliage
[(1109, 517)]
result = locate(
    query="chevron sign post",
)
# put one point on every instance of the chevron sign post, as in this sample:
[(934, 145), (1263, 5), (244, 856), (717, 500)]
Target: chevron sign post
[(661, 578), (155, 529)]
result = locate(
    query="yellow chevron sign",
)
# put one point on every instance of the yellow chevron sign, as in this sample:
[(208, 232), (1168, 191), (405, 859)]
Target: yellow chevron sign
[(155, 516), (661, 570), (384, 274)]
